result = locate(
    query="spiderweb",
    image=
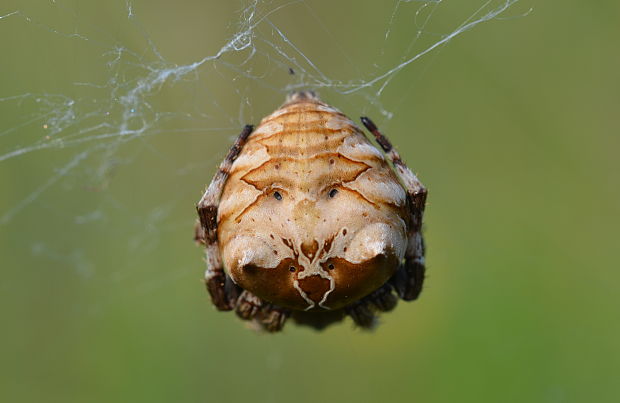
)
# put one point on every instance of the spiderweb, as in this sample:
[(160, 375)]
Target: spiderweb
[(120, 85)]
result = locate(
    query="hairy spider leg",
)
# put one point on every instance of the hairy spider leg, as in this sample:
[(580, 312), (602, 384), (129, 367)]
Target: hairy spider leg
[(267, 316), (221, 288), (408, 279), (224, 293), (363, 311)]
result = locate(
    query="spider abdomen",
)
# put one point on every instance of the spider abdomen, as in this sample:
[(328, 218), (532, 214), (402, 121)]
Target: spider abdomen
[(311, 217)]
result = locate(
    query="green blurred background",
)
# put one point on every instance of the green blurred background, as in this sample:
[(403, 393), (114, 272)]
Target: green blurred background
[(513, 126)]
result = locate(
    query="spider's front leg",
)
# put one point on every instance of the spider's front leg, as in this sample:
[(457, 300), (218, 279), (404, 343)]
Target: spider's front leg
[(409, 278), (221, 288)]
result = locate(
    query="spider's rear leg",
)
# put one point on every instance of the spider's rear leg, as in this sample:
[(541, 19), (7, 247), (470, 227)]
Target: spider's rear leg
[(362, 314), (273, 318), (410, 287), (409, 278), (248, 305), (363, 311), (267, 316), (383, 298), (223, 292), (199, 233)]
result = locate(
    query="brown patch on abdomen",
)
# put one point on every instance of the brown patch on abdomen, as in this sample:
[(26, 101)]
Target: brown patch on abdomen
[(355, 281), (315, 287), (309, 249), (274, 285)]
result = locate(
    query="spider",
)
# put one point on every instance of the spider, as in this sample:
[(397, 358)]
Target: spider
[(306, 219)]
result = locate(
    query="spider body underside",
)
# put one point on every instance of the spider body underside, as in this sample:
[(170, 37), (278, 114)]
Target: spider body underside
[(306, 219)]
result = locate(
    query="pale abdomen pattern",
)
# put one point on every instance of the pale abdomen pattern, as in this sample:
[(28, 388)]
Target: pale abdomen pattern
[(335, 230)]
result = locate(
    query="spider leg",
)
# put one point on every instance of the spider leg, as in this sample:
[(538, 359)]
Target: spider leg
[(221, 288), (266, 316), (199, 233), (409, 278), (248, 305), (273, 318), (362, 314), (383, 299), (380, 300)]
